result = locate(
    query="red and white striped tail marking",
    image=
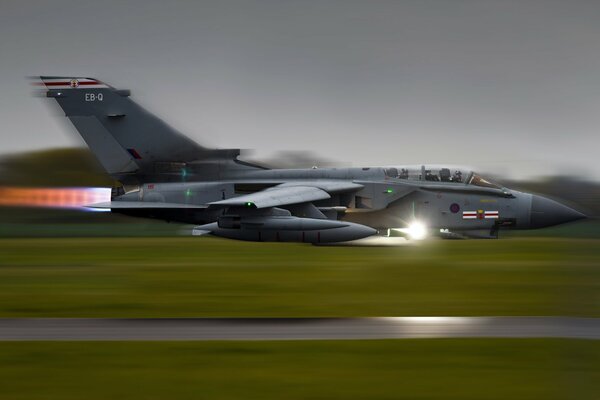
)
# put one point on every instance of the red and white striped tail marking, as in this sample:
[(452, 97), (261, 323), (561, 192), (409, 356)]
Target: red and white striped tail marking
[(75, 83), (480, 214)]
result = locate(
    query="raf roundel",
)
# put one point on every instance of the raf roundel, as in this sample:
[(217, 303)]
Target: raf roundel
[(74, 83), (454, 208)]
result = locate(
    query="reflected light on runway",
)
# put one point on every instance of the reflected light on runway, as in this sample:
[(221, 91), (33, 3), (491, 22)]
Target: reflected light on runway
[(70, 198), (434, 326)]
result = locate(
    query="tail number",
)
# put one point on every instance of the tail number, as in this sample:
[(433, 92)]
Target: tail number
[(94, 97)]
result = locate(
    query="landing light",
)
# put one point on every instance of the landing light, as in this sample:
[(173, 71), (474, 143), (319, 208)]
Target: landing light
[(415, 231)]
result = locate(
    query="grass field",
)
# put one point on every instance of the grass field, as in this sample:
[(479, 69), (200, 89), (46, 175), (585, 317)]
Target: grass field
[(205, 277), (412, 369)]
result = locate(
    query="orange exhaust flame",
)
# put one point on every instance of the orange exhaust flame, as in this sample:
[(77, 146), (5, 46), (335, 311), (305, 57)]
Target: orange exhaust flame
[(74, 198)]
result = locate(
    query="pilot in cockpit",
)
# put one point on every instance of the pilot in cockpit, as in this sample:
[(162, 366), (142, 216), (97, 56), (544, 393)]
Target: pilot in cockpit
[(431, 177), (457, 177)]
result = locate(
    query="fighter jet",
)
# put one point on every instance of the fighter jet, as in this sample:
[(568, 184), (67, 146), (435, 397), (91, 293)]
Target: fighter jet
[(165, 175)]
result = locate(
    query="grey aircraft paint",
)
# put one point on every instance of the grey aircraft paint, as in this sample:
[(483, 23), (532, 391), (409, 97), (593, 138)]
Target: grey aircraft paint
[(165, 175)]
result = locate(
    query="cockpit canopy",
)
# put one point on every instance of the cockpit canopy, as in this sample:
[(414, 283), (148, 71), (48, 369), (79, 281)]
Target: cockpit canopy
[(439, 174)]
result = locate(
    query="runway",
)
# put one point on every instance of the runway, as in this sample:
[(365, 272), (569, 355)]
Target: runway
[(297, 328)]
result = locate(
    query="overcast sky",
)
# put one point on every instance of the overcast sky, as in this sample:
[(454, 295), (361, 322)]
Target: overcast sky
[(506, 86)]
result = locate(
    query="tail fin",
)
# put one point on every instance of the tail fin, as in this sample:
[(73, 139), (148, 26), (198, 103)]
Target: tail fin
[(124, 137)]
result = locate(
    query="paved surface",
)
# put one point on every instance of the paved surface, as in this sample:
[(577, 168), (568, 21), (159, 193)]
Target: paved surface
[(297, 328)]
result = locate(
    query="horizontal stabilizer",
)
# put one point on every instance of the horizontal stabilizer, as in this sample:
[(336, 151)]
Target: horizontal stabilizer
[(142, 205)]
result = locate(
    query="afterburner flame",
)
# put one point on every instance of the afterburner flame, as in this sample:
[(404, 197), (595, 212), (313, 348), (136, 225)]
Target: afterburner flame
[(73, 198)]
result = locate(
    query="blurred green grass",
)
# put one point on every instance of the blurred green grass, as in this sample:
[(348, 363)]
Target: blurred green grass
[(413, 369), (208, 277)]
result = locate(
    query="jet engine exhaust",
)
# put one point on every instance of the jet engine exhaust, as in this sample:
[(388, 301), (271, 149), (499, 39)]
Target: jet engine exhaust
[(69, 198)]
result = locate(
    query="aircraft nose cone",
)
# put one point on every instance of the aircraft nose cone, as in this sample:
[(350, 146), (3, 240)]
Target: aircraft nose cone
[(546, 212)]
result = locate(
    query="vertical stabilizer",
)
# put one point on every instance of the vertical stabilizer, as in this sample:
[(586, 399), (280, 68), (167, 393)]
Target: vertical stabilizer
[(124, 137)]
